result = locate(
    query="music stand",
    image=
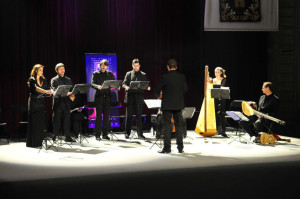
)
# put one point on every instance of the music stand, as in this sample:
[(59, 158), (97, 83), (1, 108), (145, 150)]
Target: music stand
[(153, 104), (114, 105), (188, 113), (81, 89), (238, 116), (111, 84), (45, 142), (80, 136), (62, 91), (220, 93), (139, 85)]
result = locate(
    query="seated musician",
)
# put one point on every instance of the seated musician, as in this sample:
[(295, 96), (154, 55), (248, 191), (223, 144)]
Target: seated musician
[(268, 104)]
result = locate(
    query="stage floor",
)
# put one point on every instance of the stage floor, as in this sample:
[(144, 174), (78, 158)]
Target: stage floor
[(115, 157)]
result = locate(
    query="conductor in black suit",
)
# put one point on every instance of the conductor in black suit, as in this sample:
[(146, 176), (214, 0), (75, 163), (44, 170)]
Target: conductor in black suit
[(102, 99), (173, 87), (61, 106), (134, 98)]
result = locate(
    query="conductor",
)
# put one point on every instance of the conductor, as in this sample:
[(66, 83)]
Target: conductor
[(173, 86)]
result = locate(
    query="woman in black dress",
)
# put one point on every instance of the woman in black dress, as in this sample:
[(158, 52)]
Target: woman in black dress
[(220, 104), (38, 87)]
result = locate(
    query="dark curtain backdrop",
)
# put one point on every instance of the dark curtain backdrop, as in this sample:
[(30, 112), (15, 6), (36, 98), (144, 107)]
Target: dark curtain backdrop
[(53, 31)]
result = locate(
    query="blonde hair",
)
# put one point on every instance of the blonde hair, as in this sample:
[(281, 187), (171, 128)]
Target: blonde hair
[(222, 71)]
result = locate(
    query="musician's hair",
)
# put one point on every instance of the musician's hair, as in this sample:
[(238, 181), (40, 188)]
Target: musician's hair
[(222, 71), (59, 65), (269, 85), (172, 63), (34, 71), (135, 61), (104, 61)]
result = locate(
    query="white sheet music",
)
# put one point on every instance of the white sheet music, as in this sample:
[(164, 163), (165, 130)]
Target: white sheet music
[(153, 103)]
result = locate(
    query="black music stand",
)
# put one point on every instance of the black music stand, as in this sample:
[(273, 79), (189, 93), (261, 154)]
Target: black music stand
[(154, 104), (111, 84), (45, 142), (188, 113), (139, 85), (80, 136), (238, 116), (220, 93), (62, 91), (116, 105), (81, 89)]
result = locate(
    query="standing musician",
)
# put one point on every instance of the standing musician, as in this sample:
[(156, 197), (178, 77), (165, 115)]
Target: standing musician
[(36, 106), (134, 98), (173, 86), (102, 99), (61, 106), (220, 104), (269, 105)]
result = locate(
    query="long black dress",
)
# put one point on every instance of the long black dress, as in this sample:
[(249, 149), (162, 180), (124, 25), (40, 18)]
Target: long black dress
[(36, 114)]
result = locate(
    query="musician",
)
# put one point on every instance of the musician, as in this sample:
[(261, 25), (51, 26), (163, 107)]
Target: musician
[(102, 99), (268, 104), (220, 104), (134, 98), (61, 106), (36, 106), (173, 86)]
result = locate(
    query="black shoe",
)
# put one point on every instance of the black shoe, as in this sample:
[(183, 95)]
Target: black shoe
[(54, 138), (98, 138), (142, 137), (180, 151), (224, 135), (105, 137), (126, 136), (165, 151)]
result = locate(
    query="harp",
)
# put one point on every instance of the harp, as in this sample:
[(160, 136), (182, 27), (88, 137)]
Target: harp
[(206, 124)]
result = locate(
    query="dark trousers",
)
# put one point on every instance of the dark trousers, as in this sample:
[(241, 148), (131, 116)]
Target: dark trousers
[(262, 125), (76, 122), (138, 109), (220, 108), (61, 118), (254, 125), (102, 108), (178, 122)]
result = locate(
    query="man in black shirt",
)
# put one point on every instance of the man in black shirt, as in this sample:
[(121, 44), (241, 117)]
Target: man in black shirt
[(134, 98), (61, 106), (102, 99), (172, 86), (268, 104)]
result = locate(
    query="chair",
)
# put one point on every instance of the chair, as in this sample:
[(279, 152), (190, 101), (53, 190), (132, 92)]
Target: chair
[(3, 131), (20, 125)]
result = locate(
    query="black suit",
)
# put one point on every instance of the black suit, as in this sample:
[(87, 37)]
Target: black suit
[(173, 86), (102, 101), (61, 107), (134, 100)]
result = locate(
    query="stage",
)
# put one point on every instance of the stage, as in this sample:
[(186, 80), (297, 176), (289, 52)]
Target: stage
[(210, 167)]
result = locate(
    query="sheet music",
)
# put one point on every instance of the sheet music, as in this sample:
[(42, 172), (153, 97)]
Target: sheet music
[(239, 114), (153, 103)]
